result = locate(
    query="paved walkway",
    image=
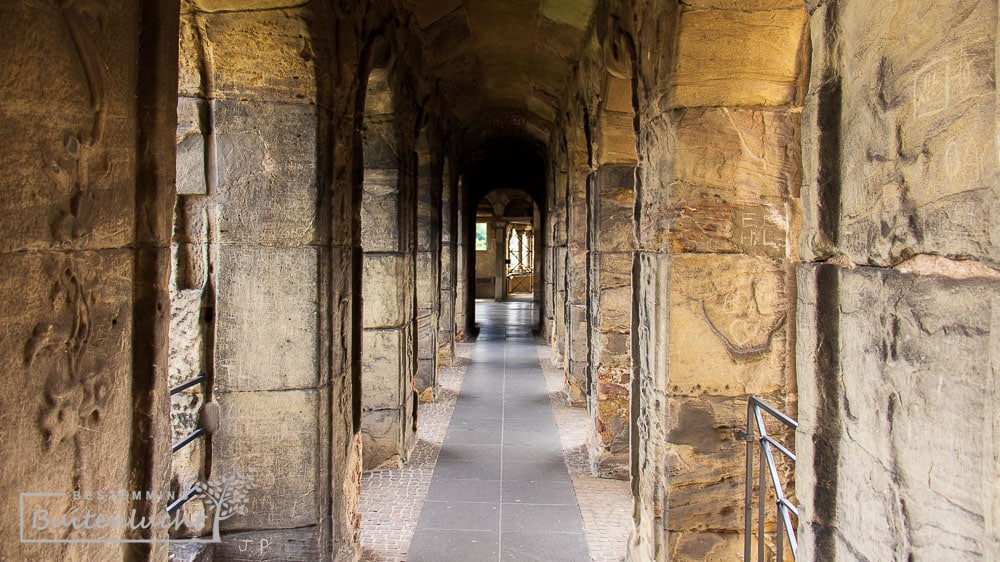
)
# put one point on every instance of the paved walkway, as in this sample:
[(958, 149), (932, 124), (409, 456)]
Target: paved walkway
[(500, 488)]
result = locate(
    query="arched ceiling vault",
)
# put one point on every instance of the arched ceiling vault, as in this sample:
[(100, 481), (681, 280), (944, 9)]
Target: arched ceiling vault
[(502, 64)]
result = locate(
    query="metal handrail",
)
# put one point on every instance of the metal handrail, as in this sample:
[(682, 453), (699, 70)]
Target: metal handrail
[(756, 433)]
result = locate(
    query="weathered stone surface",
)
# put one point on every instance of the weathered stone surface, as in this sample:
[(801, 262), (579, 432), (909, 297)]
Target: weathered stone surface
[(386, 304), (728, 325), (383, 441), (380, 227), (280, 44), (380, 374), (266, 318), (924, 340), (238, 5), (915, 168), (279, 544), (267, 178), (71, 184), (275, 434), (67, 328), (740, 58)]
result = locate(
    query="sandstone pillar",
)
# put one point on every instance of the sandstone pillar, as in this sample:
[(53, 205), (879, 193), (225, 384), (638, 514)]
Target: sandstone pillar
[(84, 262), (388, 237), (464, 224), (578, 371), (500, 259), (899, 329), (556, 267), (449, 271), (718, 198), (428, 272), (612, 243)]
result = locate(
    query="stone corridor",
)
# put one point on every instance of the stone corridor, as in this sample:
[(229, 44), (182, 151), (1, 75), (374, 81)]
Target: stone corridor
[(245, 246)]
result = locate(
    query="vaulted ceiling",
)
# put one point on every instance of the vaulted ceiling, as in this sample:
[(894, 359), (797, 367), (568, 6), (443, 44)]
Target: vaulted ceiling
[(502, 63)]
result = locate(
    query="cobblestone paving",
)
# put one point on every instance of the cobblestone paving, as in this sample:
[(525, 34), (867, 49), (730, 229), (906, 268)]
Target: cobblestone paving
[(391, 500), (606, 505)]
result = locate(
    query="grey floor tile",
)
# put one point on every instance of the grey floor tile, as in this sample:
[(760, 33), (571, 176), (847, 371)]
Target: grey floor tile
[(535, 471), (530, 518), (476, 452), (549, 452), (545, 547), (466, 470), (460, 516), (472, 435), (559, 492), (530, 438), (476, 423), (453, 546), (487, 491)]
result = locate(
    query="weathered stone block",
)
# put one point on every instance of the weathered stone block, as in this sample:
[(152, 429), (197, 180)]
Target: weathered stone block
[(728, 329), (707, 463), (386, 303), (267, 172), (740, 58), (382, 436), (382, 369), (915, 169), (748, 155), (238, 5), (266, 318), (380, 210), (278, 544), (886, 357), (243, 44), (274, 433), (68, 405)]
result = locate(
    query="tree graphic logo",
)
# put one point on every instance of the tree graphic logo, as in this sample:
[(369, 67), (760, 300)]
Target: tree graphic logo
[(228, 495)]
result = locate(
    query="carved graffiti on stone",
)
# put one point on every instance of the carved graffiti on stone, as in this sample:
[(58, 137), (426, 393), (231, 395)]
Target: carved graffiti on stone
[(75, 390), (79, 163)]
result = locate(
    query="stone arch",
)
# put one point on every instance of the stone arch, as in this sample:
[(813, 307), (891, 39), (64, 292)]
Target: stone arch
[(505, 213)]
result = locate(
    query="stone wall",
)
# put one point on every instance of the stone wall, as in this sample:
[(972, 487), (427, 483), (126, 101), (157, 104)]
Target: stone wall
[(84, 263), (898, 305)]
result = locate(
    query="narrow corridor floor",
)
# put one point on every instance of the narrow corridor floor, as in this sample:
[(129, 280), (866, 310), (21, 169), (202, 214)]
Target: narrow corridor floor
[(501, 489)]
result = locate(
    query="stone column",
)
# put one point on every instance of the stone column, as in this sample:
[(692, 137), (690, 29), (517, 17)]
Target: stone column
[(264, 213), (464, 222), (577, 331), (388, 237), (612, 243), (84, 265), (718, 196), (556, 267), (428, 275), (899, 302), (500, 259), (449, 262), (388, 369)]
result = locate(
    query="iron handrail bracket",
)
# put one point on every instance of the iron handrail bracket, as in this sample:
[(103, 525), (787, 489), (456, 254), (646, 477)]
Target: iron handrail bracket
[(198, 432), (193, 382), (756, 434)]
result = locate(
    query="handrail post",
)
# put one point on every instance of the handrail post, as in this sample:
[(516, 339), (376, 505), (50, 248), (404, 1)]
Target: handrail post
[(756, 435), (748, 492)]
